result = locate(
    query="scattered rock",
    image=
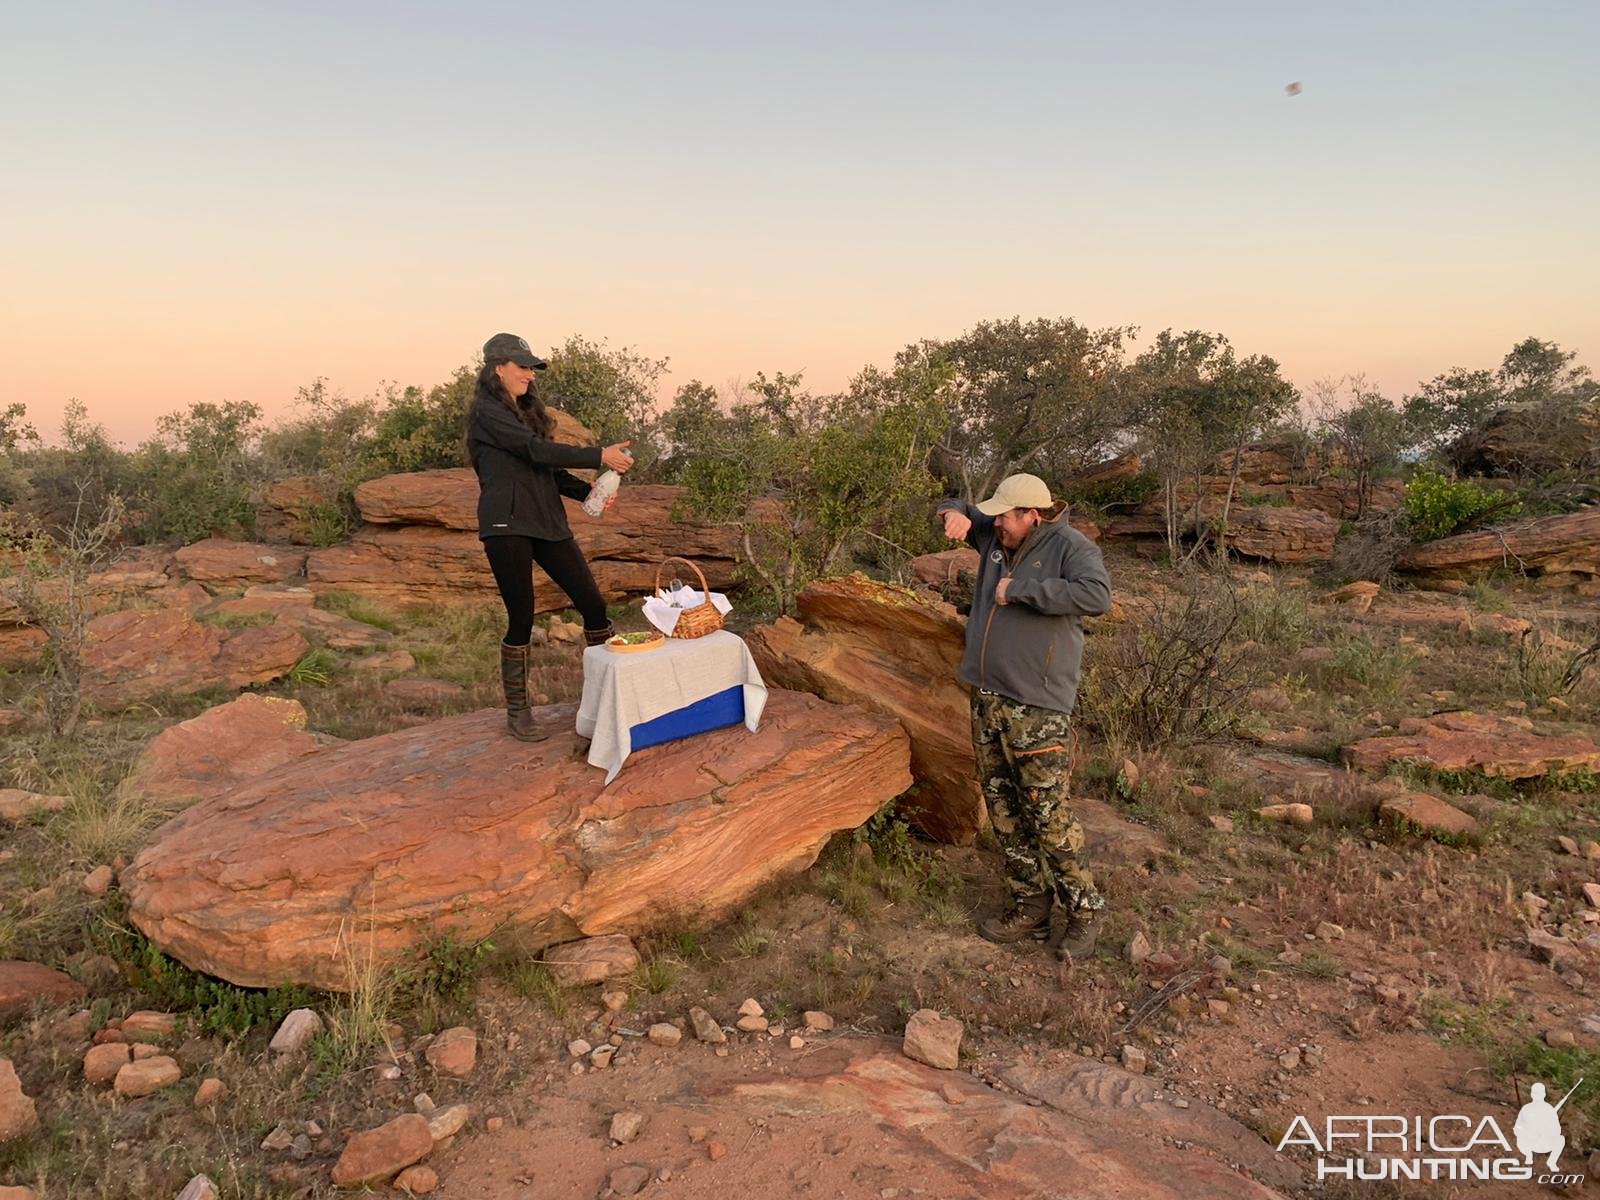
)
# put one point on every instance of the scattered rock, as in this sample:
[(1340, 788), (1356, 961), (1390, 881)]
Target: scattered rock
[(1220, 823), (417, 1181), (615, 1001), (386, 662), (752, 1024), (1591, 893), (1504, 747), (592, 959), (1329, 932), (1563, 1039), (1289, 1060), (447, 1122), (296, 1032), (148, 1076), (211, 1090), (98, 881), (716, 1151), (628, 1180), (17, 1113), (933, 1039), (454, 1052), (147, 1026), (1428, 814), (1287, 814), (279, 1140), (1567, 844), (138, 654), (1356, 596), (199, 1188), (22, 984), (578, 1048), (751, 1009), (1139, 948), (664, 1034), (625, 1126), (144, 1050), (705, 1027), (796, 1042), (1134, 1059), (18, 806), (376, 1155), (817, 1022), (102, 1062)]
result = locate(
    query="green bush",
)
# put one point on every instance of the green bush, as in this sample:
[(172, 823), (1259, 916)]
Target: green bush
[(1438, 506)]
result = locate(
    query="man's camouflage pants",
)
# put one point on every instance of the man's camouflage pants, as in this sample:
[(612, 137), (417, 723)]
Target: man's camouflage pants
[(1025, 766)]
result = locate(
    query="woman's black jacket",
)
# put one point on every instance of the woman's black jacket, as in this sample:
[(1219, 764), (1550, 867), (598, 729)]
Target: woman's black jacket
[(520, 475)]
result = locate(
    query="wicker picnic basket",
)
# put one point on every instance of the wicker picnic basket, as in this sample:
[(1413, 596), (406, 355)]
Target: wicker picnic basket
[(703, 618)]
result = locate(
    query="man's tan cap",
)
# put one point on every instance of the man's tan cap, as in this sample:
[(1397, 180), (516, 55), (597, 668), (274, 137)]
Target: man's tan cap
[(1017, 491)]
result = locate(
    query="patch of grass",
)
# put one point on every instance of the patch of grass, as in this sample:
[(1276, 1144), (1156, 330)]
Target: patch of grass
[(360, 608), (236, 621), (447, 969), (216, 1008), (315, 669), (1480, 1026), (1384, 672), (751, 942), (534, 982), (657, 974), (688, 943)]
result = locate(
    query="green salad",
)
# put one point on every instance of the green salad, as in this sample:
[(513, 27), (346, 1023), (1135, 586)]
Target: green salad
[(633, 639)]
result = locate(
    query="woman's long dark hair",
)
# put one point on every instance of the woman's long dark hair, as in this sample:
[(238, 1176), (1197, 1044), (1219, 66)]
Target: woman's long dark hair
[(529, 408)]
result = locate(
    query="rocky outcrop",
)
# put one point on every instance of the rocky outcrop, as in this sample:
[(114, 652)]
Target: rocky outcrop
[(376, 846), (138, 654), (889, 650), (1567, 545), (23, 984), (287, 509), (421, 545), (1284, 535), (296, 607), (222, 748), (1504, 747), (222, 564), (1076, 1129), (1115, 470)]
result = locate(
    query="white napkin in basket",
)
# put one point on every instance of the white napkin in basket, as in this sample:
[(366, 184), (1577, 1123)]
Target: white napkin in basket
[(663, 609)]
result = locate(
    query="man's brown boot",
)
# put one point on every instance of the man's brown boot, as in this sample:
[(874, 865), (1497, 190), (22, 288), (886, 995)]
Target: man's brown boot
[(1078, 935), (597, 637), (1028, 918), (514, 678)]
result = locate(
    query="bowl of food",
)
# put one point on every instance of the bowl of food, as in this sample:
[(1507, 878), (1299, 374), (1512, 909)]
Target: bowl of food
[(632, 643)]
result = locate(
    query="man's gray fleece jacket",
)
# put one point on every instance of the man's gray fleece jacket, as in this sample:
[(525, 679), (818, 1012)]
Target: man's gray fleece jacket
[(1031, 647)]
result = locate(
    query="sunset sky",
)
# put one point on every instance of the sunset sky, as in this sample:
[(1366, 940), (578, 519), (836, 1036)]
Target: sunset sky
[(224, 201)]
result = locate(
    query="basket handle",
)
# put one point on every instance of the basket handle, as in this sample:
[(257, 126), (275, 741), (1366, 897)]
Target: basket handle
[(705, 588)]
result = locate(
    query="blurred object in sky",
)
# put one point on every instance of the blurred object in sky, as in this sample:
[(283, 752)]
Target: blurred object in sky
[(1293, 89)]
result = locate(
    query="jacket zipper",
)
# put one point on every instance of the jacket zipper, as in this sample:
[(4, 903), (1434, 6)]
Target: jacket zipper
[(983, 647)]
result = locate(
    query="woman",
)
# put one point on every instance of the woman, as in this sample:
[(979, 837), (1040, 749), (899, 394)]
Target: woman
[(521, 479)]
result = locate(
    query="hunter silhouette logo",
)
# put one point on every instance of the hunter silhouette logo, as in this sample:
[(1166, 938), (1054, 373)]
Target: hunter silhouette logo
[(1454, 1146), (1538, 1128)]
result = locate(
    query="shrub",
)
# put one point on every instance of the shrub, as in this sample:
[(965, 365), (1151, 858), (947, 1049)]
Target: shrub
[(1437, 506)]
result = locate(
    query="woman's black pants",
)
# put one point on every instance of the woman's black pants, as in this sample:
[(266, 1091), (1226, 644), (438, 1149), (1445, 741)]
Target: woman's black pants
[(511, 558)]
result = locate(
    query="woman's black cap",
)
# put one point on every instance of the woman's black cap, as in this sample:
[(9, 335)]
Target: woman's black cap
[(508, 347)]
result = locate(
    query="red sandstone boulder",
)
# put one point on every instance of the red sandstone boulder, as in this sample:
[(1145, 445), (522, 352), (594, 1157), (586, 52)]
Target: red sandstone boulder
[(224, 564), (887, 649), (452, 827), (140, 653), (1286, 535), (22, 983), (1568, 544)]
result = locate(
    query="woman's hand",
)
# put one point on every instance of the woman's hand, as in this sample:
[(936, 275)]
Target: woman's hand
[(617, 458)]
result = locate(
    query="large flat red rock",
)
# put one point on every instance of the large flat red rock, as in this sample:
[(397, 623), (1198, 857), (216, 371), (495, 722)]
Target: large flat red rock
[(1467, 741), (138, 654), (453, 827)]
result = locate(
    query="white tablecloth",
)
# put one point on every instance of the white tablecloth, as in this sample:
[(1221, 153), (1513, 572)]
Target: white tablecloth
[(624, 690)]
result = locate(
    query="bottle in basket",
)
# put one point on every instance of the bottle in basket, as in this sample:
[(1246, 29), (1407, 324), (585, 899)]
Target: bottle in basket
[(603, 489)]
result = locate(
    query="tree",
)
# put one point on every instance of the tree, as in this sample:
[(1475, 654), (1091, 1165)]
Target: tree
[(15, 433), (198, 476), (613, 392), (1042, 396), (688, 427), (1535, 370), (802, 477), (1366, 435), (1450, 405), (1195, 401)]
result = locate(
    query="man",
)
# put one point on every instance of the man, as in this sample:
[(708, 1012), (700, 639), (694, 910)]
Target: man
[(1037, 579)]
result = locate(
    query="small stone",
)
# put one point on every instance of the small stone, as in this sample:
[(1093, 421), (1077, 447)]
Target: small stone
[(389, 1073), (663, 1033), (1591, 849), (102, 1062), (376, 1155), (419, 1180), (1128, 778), (818, 1022), (494, 1124), (1220, 823), (312, 1129), (625, 1126), (601, 1058), (198, 1188), (98, 881), (296, 1032), (578, 1048), (1134, 1059), (1139, 948), (1329, 932), (1287, 814), (721, 1052), (933, 1039), (280, 1139), (447, 1122), (1591, 893), (628, 1180), (1569, 845), (796, 1042), (1289, 1060), (706, 1028), (147, 1077), (592, 960), (17, 1112), (1217, 1008), (454, 1052), (751, 1024), (751, 1009), (423, 1103), (211, 1090), (300, 1148), (144, 1050), (614, 1001), (1562, 1039), (698, 1134), (952, 1094), (716, 1151), (148, 1026)]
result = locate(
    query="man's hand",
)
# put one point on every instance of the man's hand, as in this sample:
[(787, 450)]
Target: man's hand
[(956, 525), (1000, 590)]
